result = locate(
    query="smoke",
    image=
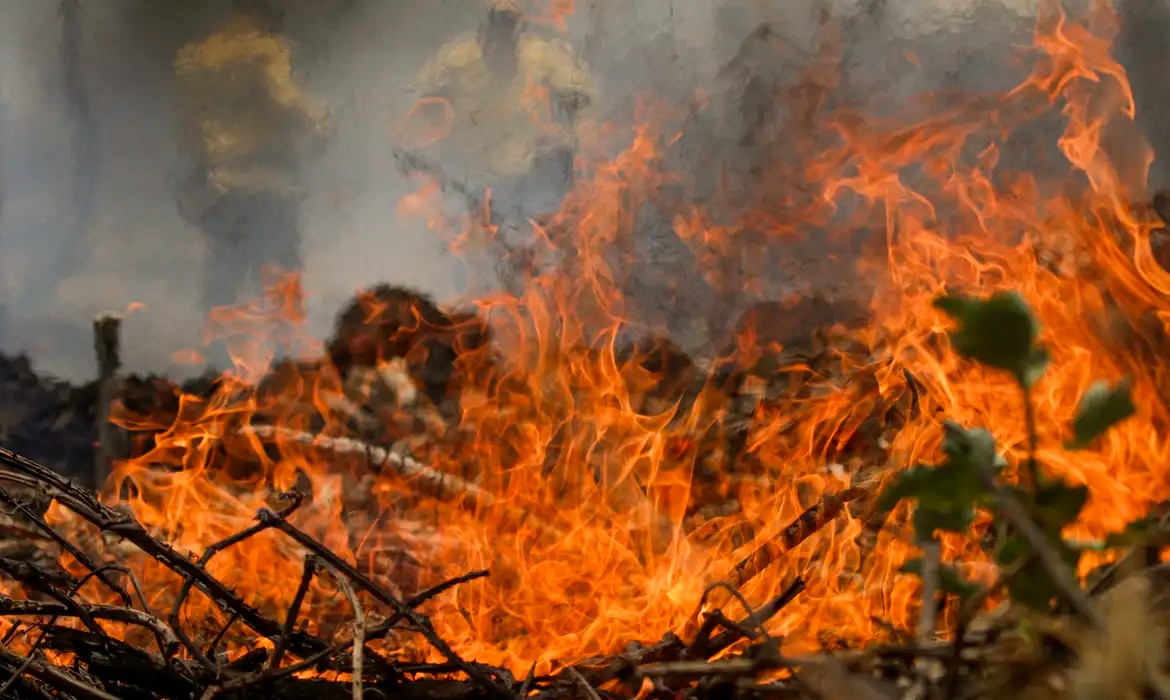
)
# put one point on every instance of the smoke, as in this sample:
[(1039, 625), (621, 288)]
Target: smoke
[(65, 257)]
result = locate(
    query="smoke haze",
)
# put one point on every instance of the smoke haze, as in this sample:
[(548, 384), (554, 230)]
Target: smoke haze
[(88, 219)]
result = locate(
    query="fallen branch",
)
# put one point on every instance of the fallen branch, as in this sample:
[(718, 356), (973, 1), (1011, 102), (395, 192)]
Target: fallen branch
[(806, 525), (421, 623), (756, 619), (427, 480), (18, 608), (359, 633), (52, 676)]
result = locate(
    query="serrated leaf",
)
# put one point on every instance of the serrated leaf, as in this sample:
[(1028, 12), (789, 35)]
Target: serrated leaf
[(1101, 408), (999, 332), (949, 580)]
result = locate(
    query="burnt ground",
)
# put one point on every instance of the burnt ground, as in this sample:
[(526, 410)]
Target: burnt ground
[(50, 420)]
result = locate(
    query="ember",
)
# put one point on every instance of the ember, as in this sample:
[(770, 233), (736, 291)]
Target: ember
[(557, 491)]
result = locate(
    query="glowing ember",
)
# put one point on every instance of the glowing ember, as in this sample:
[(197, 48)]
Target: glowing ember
[(586, 494)]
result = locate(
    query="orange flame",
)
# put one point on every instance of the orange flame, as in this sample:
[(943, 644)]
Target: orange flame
[(590, 496)]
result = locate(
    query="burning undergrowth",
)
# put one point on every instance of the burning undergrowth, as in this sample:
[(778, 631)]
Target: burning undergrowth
[(603, 477)]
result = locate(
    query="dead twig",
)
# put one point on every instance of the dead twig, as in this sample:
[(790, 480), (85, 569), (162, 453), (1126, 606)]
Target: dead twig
[(756, 619), (217, 547), (294, 609), (582, 684), (419, 622), (66, 545), (437, 484), (28, 608), (22, 470), (51, 676), (772, 550), (967, 612), (359, 630), (703, 669)]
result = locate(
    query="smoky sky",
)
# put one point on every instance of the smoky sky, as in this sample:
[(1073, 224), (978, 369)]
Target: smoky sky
[(89, 154)]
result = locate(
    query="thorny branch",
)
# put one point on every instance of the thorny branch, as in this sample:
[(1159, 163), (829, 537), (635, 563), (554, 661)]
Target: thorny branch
[(221, 680), (250, 670), (170, 634)]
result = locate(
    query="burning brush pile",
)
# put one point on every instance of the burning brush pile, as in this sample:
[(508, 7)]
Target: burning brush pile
[(949, 488)]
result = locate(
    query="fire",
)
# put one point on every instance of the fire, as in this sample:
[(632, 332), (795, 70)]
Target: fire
[(588, 492), (554, 13)]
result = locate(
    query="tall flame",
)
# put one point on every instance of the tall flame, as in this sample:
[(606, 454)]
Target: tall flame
[(590, 499)]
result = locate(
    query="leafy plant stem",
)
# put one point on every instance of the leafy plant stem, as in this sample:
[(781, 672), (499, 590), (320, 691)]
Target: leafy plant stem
[(1059, 572), (1032, 465), (931, 554)]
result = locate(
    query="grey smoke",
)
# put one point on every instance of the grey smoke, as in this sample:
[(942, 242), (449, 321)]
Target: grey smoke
[(64, 258)]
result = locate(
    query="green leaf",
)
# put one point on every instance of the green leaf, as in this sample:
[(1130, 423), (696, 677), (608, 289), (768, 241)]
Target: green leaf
[(999, 331), (1057, 504), (956, 518), (947, 495), (1136, 533), (949, 580), (906, 484), (1032, 586), (1034, 368), (1101, 408), (970, 450)]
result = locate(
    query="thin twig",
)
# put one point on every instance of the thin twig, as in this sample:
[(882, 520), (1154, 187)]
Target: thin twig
[(359, 631), (445, 487), (603, 670), (22, 470), (758, 618), (699, 645), (772, 550), (1032, 463), (583, 684), (967, 612), (23, 668), (30, 575), (66, 545), (294, 609), (420, 622), (210, 653), (692, 669), (380, 629), (217, 547), (527, 684), (22, 608), (36, 647), (51, 675)]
